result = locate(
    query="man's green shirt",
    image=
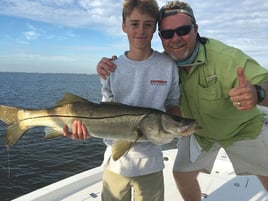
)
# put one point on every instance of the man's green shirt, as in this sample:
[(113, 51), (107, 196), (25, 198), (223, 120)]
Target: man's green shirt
[(204, 94)]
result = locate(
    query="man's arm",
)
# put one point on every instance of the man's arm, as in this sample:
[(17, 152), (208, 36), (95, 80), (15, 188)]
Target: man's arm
[(174, 110)]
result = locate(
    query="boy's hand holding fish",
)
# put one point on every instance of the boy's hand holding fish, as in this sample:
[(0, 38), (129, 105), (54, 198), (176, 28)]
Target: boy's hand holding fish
[(79, 131)]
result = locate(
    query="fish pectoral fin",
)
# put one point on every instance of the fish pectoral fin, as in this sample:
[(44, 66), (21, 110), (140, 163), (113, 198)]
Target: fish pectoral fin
[(52, 134), (119, 148)]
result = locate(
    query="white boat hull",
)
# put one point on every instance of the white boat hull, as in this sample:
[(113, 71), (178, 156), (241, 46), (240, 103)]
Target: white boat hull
[(221, 185)]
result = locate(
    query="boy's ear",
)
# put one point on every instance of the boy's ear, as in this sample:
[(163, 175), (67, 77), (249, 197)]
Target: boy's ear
[(124, 27)]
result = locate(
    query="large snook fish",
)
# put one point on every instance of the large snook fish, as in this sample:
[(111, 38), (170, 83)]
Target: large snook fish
[(126, 124)]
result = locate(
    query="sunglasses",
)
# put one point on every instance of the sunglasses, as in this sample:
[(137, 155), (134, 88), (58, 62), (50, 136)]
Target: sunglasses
[(180, 31)]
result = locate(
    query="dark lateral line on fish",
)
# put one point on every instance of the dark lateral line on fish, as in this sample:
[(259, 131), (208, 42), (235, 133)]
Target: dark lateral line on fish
[(81, 117)]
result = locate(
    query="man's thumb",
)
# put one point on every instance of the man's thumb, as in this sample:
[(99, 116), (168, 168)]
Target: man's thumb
[(241, 77)]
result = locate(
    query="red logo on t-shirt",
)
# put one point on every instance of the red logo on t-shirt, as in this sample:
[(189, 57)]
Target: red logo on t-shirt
[(158, 82)]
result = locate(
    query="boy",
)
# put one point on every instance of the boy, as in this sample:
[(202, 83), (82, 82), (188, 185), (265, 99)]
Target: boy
[(143, 78)]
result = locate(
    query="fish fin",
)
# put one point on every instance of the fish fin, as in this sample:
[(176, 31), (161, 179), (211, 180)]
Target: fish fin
[(9, 115), (52, 134), (71, 98), (119, 148), (14, 133)]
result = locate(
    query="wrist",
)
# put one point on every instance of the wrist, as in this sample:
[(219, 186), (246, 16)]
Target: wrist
[(261, 94)]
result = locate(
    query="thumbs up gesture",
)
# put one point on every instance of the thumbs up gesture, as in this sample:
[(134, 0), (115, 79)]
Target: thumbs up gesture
[(243, 97)]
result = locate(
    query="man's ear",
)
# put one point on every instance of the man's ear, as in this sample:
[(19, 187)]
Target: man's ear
[(196, 28)]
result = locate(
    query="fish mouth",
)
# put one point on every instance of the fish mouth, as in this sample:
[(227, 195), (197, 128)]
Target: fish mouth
[(188, 130)]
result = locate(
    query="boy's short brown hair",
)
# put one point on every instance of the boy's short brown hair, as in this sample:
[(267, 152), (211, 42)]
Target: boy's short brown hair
[(149, 7)]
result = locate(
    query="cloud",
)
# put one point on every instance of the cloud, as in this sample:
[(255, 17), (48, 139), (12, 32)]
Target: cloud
[(224, 19), (31, 35), (70, 13), (240, 23)]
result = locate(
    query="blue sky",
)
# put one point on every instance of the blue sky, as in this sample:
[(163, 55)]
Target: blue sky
[(71, 36)]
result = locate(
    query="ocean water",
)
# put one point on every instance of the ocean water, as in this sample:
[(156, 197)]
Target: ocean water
[(33, 162)]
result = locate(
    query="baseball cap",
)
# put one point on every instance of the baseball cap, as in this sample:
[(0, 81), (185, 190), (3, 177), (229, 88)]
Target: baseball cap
[(174, 7)]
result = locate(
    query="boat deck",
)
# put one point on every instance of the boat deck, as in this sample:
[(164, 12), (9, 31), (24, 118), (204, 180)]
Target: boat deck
[(221, 185)]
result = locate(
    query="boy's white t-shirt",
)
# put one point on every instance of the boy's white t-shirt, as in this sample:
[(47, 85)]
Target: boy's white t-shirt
[(150, 83)]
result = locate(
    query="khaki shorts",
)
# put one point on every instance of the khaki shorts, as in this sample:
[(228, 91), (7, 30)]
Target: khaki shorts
[(144, 188), (249, 157)]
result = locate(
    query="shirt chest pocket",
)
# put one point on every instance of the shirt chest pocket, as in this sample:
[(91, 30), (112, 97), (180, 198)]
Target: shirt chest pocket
[(212, 98), (211, 92)]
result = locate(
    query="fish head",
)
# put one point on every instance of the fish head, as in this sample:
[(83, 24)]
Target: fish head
[(162, 128), (179, 126)]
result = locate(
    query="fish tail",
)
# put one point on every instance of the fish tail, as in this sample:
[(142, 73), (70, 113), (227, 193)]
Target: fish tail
[(9, 115)]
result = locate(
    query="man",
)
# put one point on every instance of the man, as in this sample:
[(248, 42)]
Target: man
[(220, 87)]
